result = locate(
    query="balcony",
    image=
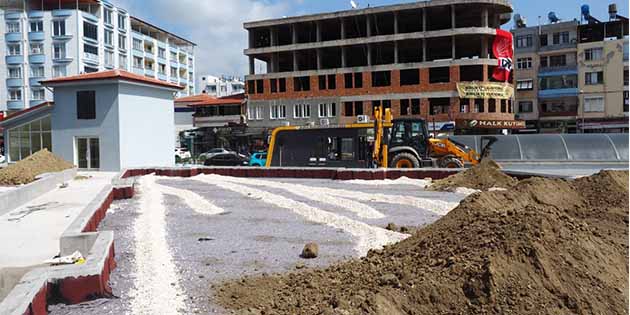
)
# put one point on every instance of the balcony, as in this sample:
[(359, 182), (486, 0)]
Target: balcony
[(90, 57), (15, 59), (162, 76), (149, 72), (35, 102), (37, 58), (36, 36), (561, 92), (62, 12), (15, 105), (560, 111), (557, 70), (570, 45), (35, 14), (14, 82), (13, 37), (89, 16), (35, 81), (137, 70), (183, 81), (215, 121), (13, 15)]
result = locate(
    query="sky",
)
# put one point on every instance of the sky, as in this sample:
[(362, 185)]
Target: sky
[(216, 26)]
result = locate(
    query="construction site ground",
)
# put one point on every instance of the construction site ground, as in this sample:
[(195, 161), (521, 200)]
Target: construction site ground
[(231, 227)]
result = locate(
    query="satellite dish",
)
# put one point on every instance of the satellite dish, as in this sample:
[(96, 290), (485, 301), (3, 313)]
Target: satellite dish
[(553, 18), (353, 4)]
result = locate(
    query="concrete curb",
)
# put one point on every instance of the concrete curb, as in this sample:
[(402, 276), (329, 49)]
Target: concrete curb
[(13, 199), (73, 283)]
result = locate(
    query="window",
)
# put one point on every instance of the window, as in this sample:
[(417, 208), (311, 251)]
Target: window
[(439, 105), (37, 48), (122, 61), (37, 72), (29, 138), (479, 106), (122, 41), (87, 69), (13, 27), (381, 78), (15, 73), (161, 53), (59, 71), (544, 40), (162, 68), (522, 85), (90, 31), (301, 84), (282, 85), (107, 16), (409, 77), (404, 107), (109, 58), (137, 63), (137, 44), (90, 52), (59, 50), (86, 105), (37, 26), (353, 108), (593, 53), (492, 105), (254, 113), (558, 82), (174, 74), (260, 87), (464, 103), (593, 103), (59, 27), (625, 77), (558, 61), (14, 49), (15, 95), (278, 112), (37, 94), (525, 107), (327, 82), (626, 102), (122, 19), (560, 38), (109, 38), (353, 80), (524, 41), (173, 56), (327, 110), (592, 78), (524, 63), (301, 111), (439, 75)]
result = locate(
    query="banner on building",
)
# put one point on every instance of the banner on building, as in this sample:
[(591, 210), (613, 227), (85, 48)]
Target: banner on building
[(489, 124), (504, 53), (494, 90)]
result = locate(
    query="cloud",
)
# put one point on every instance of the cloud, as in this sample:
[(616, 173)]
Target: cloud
[(216, 26)]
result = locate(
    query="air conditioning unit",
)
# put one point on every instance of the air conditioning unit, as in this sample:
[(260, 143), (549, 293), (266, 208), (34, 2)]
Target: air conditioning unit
[(361, 119), (324, 122)]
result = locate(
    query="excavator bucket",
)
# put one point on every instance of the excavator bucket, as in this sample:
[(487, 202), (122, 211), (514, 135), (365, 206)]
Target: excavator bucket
[(486, 144)]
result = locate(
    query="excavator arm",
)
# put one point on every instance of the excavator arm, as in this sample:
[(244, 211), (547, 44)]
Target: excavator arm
[(448, 148)]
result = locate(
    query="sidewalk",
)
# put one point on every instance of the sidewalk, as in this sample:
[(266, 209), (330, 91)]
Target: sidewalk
[(31, 233)]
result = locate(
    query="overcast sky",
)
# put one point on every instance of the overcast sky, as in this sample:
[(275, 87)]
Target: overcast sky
[(217, 25)]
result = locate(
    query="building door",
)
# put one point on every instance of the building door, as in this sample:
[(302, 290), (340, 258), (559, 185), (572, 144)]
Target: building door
[(88, 153)]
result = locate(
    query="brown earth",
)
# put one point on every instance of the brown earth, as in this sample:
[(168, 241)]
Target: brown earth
[(483, 176), (544, 246), (25, 171)]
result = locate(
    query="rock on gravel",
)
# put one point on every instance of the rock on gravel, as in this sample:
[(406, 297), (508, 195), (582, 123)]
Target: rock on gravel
[(311, 250)]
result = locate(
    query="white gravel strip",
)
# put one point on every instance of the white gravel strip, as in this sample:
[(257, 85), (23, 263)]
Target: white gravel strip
[(360, 209), (422, 183), (369, 237), (466, 191), (156, 282), (196, 202)]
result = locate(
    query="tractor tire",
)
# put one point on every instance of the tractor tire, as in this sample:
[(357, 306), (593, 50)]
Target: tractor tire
[(404, 160), (450, 162)]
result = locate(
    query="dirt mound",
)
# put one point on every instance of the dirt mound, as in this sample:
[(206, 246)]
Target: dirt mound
[(544, 246), (483, 176), (24, 171)]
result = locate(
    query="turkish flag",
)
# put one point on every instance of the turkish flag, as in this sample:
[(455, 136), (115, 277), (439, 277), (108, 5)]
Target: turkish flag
[(504, 52)]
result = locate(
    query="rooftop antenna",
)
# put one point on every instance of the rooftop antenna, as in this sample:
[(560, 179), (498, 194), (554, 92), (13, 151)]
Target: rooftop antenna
[(353, 4)]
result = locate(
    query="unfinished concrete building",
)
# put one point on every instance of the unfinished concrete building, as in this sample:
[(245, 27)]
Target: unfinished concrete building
[(330, 68)]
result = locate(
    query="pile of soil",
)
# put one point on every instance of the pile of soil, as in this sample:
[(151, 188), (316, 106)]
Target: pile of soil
[(543, 246), (24, 171), (483, 176)]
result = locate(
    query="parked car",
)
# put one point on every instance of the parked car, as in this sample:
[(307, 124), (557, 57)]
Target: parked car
[(258, 159), (212, 152), (182, 153), (226, 159)]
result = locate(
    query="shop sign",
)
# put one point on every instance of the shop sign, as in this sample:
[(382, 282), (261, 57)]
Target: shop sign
[(486, 90), (489, 124)]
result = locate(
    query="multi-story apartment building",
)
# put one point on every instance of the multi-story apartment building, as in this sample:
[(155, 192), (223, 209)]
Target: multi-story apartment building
[(546, 76), (220, 86), (46, 39), (602, 53), (330, 68)]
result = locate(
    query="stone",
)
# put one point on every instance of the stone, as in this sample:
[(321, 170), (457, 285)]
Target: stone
[(311, 250)]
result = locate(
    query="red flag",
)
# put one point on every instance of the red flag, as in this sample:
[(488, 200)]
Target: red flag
[(503, 51)]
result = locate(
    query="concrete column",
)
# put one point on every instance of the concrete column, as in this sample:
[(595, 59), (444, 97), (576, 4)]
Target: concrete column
[(319, 59), (396, 22), (273, 38), (343, 57), (342, 23), (274, 63), (294, 33), (453, 16), (252, 66), (484, 47), (368, 26), (318, 31), (453, 47), (424, 20), (424, 50), (369, 54), (251, 38), (484, 17), (396, 52), (295, 61)]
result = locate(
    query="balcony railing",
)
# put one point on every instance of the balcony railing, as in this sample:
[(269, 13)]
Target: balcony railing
[(566, 68), (90, 56)]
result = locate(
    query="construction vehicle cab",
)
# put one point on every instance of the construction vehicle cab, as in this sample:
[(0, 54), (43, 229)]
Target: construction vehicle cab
[(409, 145)]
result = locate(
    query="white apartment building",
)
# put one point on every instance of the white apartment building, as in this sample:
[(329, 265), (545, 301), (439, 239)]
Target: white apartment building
[(47, 39), (221, 86)]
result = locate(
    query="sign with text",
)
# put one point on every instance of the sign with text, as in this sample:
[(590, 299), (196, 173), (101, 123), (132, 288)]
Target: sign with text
[(489, 124), (488, 90)]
